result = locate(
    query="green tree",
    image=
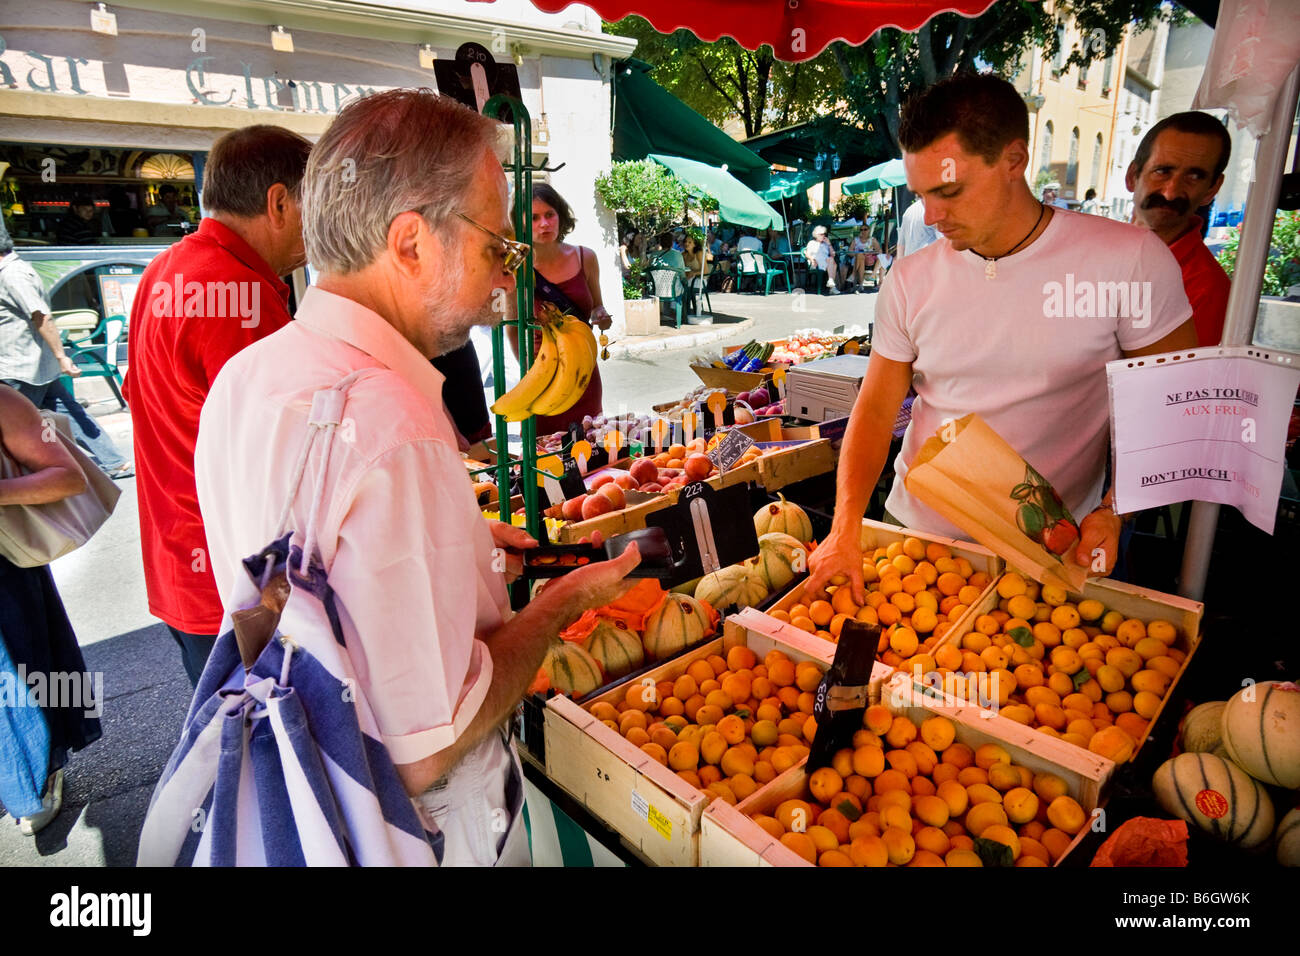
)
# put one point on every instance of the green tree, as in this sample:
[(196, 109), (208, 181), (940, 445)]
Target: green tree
[(644, 195), (1282, 269), (722, 80)]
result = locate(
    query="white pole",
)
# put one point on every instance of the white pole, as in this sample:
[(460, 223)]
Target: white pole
[(1243, 301)]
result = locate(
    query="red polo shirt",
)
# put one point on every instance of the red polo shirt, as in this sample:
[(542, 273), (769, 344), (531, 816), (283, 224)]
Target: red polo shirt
[(1205, 283), (199, 303)]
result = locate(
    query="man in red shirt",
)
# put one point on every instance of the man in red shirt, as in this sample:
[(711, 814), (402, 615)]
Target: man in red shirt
[(1177, 170), (201, 302)]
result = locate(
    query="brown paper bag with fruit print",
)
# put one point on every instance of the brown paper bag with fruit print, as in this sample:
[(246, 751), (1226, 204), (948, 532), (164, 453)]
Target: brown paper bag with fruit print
[(970, 475)]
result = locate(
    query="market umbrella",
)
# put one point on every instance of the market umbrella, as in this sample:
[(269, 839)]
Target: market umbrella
[(884, 175), (788, 183), (736, 202), (796, 30)]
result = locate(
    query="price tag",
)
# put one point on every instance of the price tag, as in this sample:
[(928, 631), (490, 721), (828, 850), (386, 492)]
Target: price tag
[(582, 454), (551, 465), (659, 428), (852, 347), (572, 483), (730, 450), (838, 330), (613, 443), (690, 421), (717, 405), (778, 380)]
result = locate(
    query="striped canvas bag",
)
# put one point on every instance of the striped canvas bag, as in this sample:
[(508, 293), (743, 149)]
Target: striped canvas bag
[(281, 763)]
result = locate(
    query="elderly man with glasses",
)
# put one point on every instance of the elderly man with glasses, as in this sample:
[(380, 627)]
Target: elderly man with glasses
[(406, 220)]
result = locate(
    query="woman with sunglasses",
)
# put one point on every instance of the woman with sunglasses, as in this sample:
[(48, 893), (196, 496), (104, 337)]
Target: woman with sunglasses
[(567, 275)]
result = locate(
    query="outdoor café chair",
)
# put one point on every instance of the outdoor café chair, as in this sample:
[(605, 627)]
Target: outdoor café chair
[(755, 265), (96, 359), (668, 287)]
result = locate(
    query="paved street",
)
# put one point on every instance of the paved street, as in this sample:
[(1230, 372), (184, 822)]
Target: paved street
[(146, 693)]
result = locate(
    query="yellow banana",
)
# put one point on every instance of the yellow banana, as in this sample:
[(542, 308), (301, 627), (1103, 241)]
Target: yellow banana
[(514, 405), (570, 381)]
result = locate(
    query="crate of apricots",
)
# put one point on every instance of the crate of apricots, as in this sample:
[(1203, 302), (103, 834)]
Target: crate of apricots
[(920, 785), (717, 722), (918, 588), (1093, 670)]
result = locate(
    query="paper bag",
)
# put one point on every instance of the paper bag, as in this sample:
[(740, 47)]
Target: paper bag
[(972, 477)]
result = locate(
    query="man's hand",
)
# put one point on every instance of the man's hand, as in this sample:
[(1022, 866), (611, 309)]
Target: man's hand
[(513, 541), (600, 318), (601, 582), (1099, 531), (69, 367), (839, 554)]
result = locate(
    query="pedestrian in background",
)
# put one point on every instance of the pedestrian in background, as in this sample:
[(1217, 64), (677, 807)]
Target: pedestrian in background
[(37, 636), (252, 236)]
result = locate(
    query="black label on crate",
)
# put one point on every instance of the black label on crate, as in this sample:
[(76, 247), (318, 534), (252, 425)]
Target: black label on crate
[(730, 450), (571, 482)]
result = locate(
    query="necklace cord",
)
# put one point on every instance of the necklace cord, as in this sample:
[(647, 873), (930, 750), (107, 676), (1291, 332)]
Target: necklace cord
[(1042, 208)]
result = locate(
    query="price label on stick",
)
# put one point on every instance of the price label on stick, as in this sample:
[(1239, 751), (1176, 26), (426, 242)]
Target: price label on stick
[(730, 450), (717, 405), (582, 454), (613, 442), (690, 421), (778, 380), (659, 429), (852, 347)]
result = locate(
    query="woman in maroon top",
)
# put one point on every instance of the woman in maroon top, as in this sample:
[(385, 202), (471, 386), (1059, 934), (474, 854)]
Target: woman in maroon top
[(569, 276)]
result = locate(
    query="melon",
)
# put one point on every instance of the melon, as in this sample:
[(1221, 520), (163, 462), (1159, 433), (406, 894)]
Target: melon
[(1217, 796), (674, 626), (1261, 731), (1288, 839), (1200, 731), (618, 652), (739, 584), (571, 669), (786, 517), (780, 558)]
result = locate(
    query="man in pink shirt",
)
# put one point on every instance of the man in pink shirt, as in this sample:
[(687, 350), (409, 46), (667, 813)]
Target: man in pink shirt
[(1177, 170), (405, 217)]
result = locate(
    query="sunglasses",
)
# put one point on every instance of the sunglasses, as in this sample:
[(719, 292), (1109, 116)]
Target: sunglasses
[(516, 253)]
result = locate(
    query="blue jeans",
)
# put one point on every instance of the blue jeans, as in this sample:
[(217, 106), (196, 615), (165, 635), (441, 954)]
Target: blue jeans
[(52, 396)]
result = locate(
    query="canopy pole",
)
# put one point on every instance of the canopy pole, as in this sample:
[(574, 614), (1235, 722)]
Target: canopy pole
[(1243, 302)]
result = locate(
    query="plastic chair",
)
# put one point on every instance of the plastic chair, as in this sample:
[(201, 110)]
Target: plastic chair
[(816, 278), (668, 286), (96, 359), (756, 266)]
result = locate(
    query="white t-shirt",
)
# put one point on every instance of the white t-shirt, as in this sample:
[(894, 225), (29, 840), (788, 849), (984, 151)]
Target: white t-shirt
[(1014, 351), (819, 252), (749, 244), (913, 234)]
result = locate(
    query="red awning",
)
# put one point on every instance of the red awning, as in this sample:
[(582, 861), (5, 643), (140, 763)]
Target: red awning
[(796, 29)]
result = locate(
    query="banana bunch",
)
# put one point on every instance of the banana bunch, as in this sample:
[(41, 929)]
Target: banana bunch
[(560, 372)]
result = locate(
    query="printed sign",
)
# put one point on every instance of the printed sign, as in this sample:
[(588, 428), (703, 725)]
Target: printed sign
[(1209, 428), (730, 450)]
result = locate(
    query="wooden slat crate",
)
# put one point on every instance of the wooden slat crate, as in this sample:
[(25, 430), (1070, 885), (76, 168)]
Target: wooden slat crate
[(730, 837), (1131, 601), (655, 811)]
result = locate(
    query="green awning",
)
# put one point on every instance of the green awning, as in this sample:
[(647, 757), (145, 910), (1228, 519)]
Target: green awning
[(737, 203), (648, 119), (881, 176), (788, 183), (857, 146)]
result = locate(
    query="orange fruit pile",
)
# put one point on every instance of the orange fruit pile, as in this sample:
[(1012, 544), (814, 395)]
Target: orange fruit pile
[(905, 795), (725, 725), (915, 591), (1072, 670)]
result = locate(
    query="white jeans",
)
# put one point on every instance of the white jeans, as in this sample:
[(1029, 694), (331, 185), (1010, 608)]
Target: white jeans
[(480, 821)]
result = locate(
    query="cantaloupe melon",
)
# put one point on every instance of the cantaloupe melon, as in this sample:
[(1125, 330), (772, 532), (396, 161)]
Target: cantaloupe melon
[(1200, 731), (1261, 731), (784, 516), (571, 669), (1217, 796), (674, 626), (1288, 839), (780, 557), (617, 651), (738, 584)]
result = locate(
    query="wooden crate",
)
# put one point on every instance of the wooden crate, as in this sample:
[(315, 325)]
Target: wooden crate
[(655, 811), (772, 471), (1131, 601), (730, 837), (877, 534)]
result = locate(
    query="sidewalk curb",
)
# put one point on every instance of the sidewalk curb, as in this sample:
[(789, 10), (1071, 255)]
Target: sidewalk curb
[(709, 333)]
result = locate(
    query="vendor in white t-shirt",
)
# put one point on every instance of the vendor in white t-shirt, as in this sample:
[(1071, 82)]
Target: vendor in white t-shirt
[(976, 323)]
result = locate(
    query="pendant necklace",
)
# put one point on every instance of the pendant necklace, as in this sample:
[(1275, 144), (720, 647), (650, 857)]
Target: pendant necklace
[(991, 262)]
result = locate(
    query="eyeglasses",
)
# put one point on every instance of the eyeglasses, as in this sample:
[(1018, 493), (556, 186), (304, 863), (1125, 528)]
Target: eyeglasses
[(516, 253)]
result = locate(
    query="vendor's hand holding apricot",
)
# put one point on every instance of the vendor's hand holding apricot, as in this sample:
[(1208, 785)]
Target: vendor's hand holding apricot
[(600, 318), (1099, 530), (603, 582), (840, 555), (511, 541)]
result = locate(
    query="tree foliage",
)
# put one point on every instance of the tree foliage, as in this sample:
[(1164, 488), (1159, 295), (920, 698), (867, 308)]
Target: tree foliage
[(1282, 269)]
